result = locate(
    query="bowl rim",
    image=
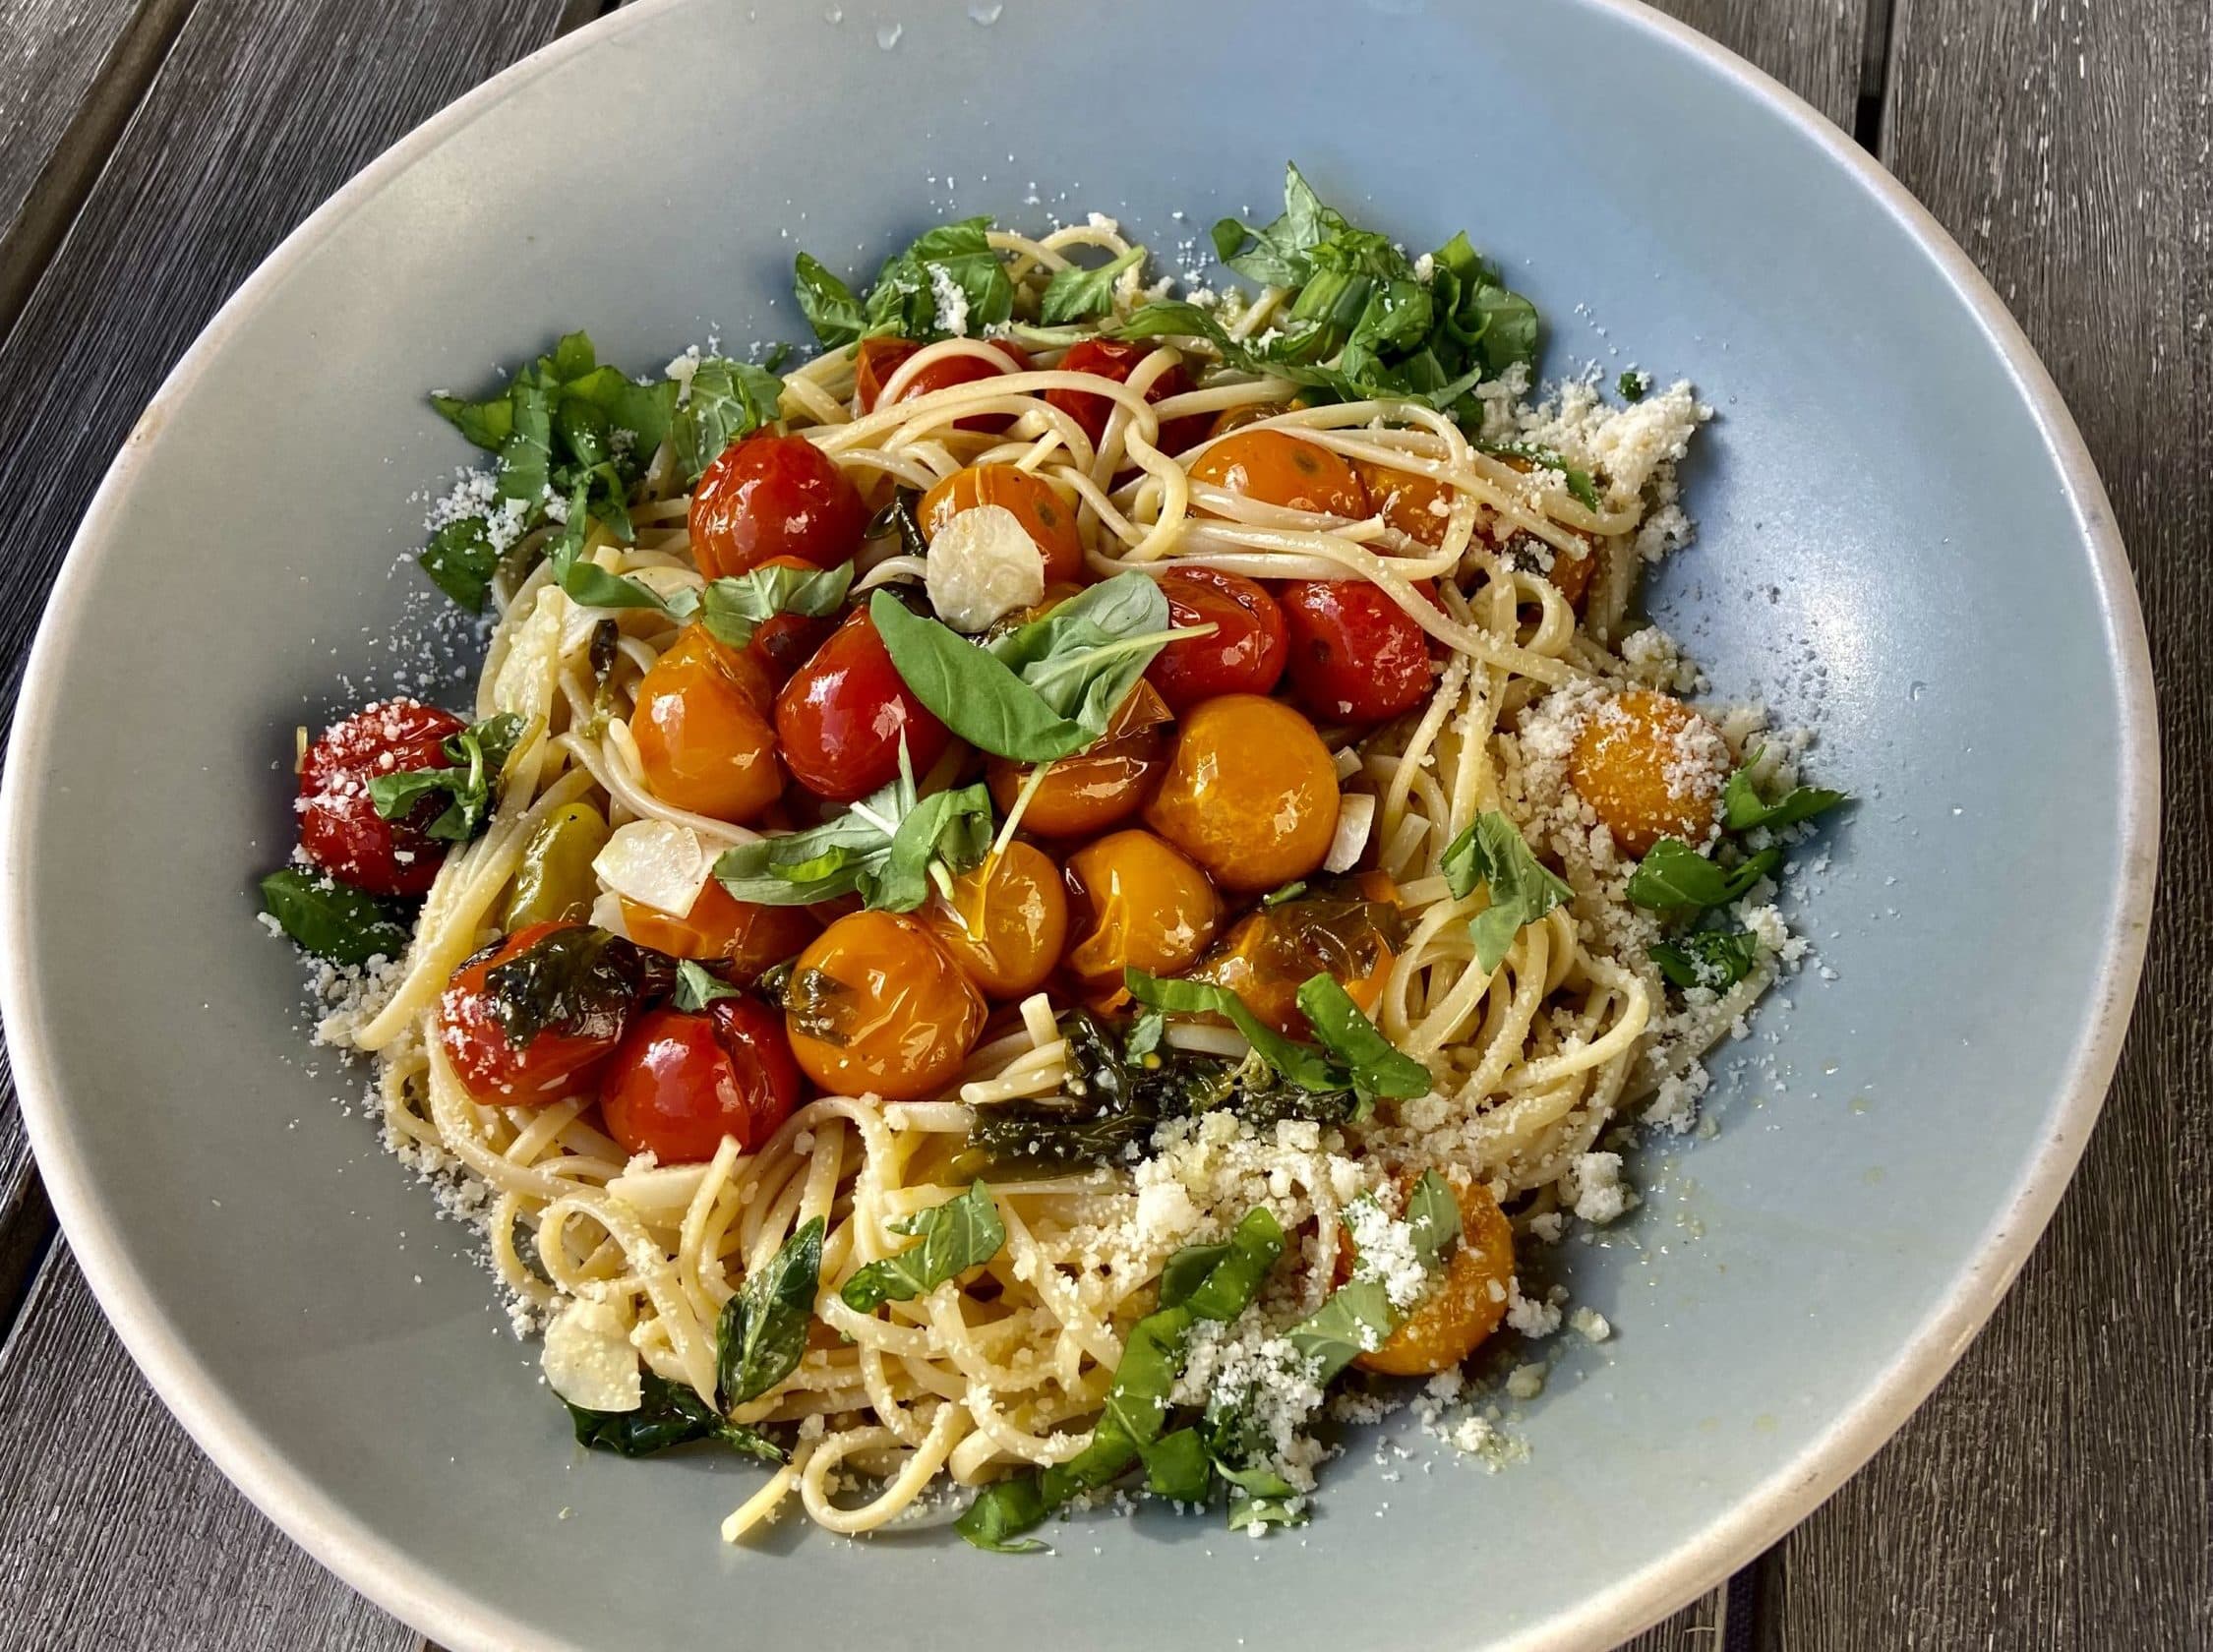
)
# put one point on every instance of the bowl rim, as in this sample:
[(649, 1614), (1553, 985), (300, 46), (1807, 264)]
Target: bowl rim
[(364, 1560)]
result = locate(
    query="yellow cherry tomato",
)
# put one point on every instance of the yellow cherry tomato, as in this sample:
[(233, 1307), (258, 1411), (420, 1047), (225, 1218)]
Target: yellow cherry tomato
[(1249, 793)]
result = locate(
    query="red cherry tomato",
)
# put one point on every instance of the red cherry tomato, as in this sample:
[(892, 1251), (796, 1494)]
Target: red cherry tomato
[(774, 495), (681, 1081), (339, 826), (556, 1061), (783, 642), (878, 359), (1356, 655), (1244, 656), (840, 718), (1115, 358)]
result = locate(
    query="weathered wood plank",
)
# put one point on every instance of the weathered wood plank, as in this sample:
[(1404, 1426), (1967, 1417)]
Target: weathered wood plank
[(151, 1548), (2054, 1492)]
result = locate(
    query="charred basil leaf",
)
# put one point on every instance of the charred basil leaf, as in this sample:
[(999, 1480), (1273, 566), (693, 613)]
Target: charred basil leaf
[(575, 981), (671, 1414)]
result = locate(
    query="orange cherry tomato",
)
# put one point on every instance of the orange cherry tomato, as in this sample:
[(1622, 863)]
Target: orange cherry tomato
[(1101, 786), (880, 357), (1249, 793), (1244, 654), (1276, 468), (1351, 931), (1572, 573), (1650, 768), (1044, 514), (770, 496), (1419, 506), (559, 1058), (1116, 359), (843, 714), (1006, 921), (702, 730), (1466, 1306), (784, 642), (1137, 901), (746, 936), (680, 1081), (1251, 413), (875, 1005)]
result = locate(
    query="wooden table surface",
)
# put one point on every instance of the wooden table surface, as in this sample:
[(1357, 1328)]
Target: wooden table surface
[(2054, 1492)]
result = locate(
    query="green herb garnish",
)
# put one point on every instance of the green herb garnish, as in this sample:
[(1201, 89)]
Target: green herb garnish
[(474, 758), (331, 920), (1075, 293), (1743, 808), (1674, 874), (955, 1236), (1707, 958), (1493, 854)]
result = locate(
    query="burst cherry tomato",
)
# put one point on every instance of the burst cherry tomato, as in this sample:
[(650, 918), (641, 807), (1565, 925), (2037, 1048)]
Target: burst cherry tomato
[(1006, 921), (1137, 901), (1650, 768), (559, 1056), (875, 1005), (1276, 468), (1351, 931), (1408, 501), (1115, 358), (339, 826), (1249, 793), (746, 936), (774, 495), (1356, 655), (681, 1081), (1105, 784), (1463, 1308), (785, 641), (1044, 514), (841, 717), (1244, 656), (703, 731), (879, 359)]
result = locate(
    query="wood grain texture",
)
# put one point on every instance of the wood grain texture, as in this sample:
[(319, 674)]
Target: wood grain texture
[(1813, 46), (132, 1539), (2055, 1493)]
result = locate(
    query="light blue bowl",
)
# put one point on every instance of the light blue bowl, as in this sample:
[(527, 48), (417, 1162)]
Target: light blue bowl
[(1902, 539)]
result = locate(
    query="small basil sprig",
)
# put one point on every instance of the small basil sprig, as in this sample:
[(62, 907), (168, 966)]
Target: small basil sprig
[(696, 989), (669, 1415), (1707, 958), (1433, 1213), (1353, 1055), (1075, 293), (331, 919), (826, 302), (1493, 854), (474, 757), (727, 400), (1674, 874), (735, 606), (762, 1331), (955, 1236), (905, 299), (1743, 808), (1044, 690)]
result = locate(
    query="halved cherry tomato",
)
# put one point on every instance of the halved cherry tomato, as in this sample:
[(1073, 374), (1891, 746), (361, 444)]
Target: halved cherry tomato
[(1115, 358), (703, 731), (1463, 1308), (1356, 655), (1044, 514), (1351, 931), (1107, 783), (1276, 468), (880, 357), (746, 936), (558, 1058), (1137, 901), (683, 1079), (342, 831), (774, 495), (1250, 793), (875, 1005), (786, 641), (1244, 656), (1006, 921), (1650, 768), (842, 716)]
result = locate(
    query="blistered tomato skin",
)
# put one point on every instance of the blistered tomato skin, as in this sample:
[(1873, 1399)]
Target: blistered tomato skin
[(1103, 786), (487, 1064), (1044, 514), (874, 1005), (1347, 931), (1276, 468), (841, 717), (1245, 655), (1006, 922), (773, 496), (1466, 1306), (1355, 656), (742, 935), (1650, 768), (1136, 900), (1116, 359), (1249, 793), (680, 1081), (341, 830), (701, 727), (879, 359)]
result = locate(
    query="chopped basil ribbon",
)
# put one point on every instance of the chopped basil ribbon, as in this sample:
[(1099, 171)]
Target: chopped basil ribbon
[(1493, 854)]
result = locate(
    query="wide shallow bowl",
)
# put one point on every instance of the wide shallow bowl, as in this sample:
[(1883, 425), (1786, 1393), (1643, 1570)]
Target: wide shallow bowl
[(1902, 540)]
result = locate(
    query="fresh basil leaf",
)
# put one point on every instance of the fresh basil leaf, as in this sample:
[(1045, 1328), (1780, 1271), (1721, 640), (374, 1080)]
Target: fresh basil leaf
[(1301, 1064), (460, 561), (1492, 853), (644, 410), (1354, 1319), (574, 357), (573, 981), (1001, 1512), (331, 920), (1177, 1466), (1709, 958), (526, 455), (696, 989), (485, 423), (881, 848), (905, 298), (1433, 1215), (957, 1236), (1743, 808), (1229, 1286), (1278, 251), (953, 827), (729, 399), (1075, 293), (828, 303), (1674, 874), (473, 760), (597, 492), (1186, 1270), (762, 1331), (1340, 1026), (1263, 1512), (733, 608), (671, 1414), (801, 868), (1145, 1035)]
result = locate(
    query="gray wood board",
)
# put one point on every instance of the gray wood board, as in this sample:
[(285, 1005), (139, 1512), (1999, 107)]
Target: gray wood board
[(2055, 1491)]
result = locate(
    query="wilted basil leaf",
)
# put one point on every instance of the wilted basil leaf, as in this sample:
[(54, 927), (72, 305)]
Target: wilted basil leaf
[(955, 1236), (762, 1331), (331, 919)]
